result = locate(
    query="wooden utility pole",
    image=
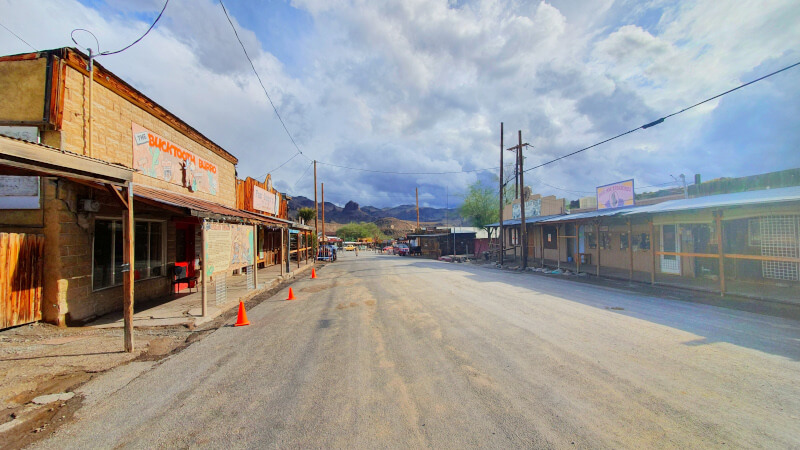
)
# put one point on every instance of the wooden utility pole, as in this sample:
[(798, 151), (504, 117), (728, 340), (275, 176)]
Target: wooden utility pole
[(316, 205), (324, 238), (502, 188), (520, 159), (416, 192)]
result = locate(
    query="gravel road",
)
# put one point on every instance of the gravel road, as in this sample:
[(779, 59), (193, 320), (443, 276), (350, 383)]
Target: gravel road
[(383, 351)]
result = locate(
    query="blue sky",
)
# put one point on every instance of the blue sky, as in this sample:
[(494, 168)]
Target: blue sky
[(422, 86)]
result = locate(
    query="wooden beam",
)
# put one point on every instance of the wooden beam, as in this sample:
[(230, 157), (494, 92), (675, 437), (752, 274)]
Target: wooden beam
[(116, 194), (205, 277), (718, 222), (127, 272), (653, 253), (597, 267), (630, 252), (255, 256)]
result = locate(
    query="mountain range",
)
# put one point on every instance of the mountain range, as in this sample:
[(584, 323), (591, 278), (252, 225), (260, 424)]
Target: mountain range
[(353, 212)]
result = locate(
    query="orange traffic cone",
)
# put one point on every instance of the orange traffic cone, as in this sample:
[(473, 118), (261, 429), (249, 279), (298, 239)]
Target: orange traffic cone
[(291, 295), (242, 319), (313, 273)]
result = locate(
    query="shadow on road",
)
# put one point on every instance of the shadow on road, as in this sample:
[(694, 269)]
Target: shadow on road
[(677, 309)]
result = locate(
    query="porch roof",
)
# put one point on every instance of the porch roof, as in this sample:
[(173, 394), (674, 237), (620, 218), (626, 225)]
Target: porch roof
[(514, 222), (779, 195), (201, 208)]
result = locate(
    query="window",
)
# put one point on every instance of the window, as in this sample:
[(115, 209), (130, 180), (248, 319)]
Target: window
[(550, 237), (623, 241), (148, 251), (640, 241), (605, 240), (591, 240)]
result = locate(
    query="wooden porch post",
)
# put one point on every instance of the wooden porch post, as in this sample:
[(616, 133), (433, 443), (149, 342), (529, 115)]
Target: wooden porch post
[(283, 264), (718, 221), (597, 239), (128, 265), (204, 255), (255, 256), (653, 254), (630, 252), (558, 247), (578, 247), (541, 233)]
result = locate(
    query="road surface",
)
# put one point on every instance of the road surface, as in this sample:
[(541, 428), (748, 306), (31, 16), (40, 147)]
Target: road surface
[(386, 351)]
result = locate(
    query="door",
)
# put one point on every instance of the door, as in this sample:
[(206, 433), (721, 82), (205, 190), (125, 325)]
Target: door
[(21, 278), (185, 252), (670, 243)]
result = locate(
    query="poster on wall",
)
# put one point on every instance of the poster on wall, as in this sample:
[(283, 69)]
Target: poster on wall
[(159, 158), (532, 208), (264, 200), (228, 247), (616, 195)]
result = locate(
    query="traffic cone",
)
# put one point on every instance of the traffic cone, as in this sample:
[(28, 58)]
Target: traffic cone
[(291, 295), (313, 273), (241, 320)]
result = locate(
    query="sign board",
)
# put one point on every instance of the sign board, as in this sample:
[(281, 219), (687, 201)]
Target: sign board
[(159, 158), (19, 192), (228, 247), (264, 200), (532, 208), (30, 134), (616, 195)]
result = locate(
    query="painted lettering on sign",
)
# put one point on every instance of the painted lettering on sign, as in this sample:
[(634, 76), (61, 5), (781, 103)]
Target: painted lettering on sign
[(160, 158)]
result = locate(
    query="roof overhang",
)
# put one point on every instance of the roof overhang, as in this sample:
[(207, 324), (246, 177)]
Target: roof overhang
[(27, 158)]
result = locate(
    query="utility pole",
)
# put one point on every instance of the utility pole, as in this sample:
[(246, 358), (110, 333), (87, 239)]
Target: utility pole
[(521, 158), (518, 173), (316, 205), (416, 192), (502, 188), (324, 238)]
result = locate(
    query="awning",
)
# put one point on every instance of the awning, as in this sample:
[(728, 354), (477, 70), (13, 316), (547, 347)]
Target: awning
[(18, 157), (201, 208)]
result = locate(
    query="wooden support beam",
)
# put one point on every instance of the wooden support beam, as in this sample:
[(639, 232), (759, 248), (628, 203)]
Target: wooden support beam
[(205, 276), (255, 256), (630, 252), (127, 271), (578, 245), (653, 253), (718, 222), (597, 267), (117, 195)]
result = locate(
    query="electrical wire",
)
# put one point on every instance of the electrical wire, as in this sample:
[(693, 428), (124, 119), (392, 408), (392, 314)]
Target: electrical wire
[(141, 37), (274, 108), (16, 36), (294, 186), (656, 122)]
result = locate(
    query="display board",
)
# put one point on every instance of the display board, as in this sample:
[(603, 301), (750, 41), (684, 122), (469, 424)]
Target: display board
[(616, 195), (264, 200), (532, 208), (228, 247)]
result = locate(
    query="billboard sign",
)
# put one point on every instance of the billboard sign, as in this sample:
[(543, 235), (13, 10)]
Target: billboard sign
[(532, 208), (616, 195)]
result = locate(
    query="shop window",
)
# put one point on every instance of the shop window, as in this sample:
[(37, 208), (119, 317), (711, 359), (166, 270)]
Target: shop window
[(623, 241), (148, 251), (640, 241), (591, 239), (605, 240)]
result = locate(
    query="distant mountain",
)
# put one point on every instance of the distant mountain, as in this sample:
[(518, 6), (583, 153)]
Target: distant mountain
[(353, 212)]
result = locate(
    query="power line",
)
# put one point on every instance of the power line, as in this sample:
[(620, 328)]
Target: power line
[(274, 108), (303, 175), (16, 36), (141, 37), (656, 122)]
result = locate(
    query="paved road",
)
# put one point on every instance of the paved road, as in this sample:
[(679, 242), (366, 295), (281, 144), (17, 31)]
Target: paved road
[(384, 351)]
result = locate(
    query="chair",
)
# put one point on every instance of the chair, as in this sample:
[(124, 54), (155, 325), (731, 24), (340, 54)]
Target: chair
[(179, 276)]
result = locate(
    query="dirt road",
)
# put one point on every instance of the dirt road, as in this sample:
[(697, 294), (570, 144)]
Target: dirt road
[(384, 351)]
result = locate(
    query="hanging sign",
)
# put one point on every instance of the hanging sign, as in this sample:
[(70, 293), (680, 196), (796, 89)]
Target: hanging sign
[(159, 158)]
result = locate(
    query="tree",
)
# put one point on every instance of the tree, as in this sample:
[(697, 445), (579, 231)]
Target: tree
[(480, 205), (307, 214), (354, 231)]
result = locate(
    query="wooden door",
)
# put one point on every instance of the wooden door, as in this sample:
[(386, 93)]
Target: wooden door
[(21, 278)]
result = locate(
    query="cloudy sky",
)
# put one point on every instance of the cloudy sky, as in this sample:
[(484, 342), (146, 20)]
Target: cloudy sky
[(422, 86)]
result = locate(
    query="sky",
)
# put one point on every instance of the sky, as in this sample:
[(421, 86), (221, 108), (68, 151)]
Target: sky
[(422, 86)]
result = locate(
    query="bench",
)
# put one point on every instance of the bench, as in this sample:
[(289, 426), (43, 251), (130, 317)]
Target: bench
[(179, 276)]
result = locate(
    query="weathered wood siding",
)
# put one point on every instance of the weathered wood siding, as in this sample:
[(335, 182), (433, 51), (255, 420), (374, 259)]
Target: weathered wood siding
[(21, 278)]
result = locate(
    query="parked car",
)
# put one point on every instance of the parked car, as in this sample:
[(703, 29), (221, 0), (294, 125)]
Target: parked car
[(349, 248), (402, 250), (388, 249)]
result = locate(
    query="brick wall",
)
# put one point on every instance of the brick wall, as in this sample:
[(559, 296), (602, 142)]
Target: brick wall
[(112, 137)]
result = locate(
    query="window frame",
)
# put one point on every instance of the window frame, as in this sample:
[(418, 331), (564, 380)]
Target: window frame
[(163, 250)]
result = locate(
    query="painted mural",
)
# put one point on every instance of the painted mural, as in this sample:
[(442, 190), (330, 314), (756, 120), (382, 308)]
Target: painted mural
[(532, 208), (159, 158), (616, 195)]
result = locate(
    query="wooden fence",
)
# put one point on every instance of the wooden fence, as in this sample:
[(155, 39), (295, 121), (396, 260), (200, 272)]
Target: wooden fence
[(21, 278)]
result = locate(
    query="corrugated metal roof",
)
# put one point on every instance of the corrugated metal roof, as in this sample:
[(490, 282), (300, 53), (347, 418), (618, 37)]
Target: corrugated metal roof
[(591, 214), (201, 208), (534, 219), (780, 195)]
